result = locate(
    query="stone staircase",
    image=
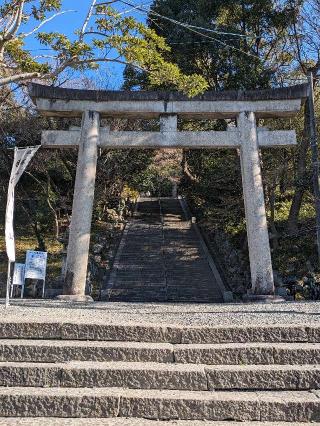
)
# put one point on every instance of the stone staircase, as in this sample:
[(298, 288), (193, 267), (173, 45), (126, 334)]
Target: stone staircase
[(161, 259), (135, 374)]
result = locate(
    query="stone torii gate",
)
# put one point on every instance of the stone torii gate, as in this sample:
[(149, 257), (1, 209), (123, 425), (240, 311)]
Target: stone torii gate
[(244, 107)]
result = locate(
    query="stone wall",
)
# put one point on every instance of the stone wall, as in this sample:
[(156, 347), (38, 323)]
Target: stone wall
[(233, 262)]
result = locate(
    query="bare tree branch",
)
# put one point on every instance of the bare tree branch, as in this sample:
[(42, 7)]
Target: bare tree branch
[(10, 33), (19, 77), (45, 22), (87, 19)]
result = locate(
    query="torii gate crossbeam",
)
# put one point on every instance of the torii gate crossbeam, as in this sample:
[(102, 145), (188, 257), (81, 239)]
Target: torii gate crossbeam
[(245, 107)]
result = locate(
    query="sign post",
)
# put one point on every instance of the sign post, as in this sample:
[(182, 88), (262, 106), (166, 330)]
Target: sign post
[(8, 284)]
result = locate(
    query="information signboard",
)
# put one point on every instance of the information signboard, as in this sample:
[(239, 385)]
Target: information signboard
[(18, 274), (36, 265)]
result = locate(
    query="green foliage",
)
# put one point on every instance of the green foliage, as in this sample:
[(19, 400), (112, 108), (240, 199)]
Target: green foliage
[(111, 37), (152, 181), (225, 60)]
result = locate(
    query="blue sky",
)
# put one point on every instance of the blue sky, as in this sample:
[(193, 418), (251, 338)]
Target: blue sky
[(109, 77)]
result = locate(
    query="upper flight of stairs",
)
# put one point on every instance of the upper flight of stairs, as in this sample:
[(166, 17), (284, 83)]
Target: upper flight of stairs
[(159, 373), (160, 258)]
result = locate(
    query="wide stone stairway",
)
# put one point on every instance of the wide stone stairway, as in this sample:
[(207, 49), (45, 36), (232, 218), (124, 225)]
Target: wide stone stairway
[(161, 258), (151, 373)]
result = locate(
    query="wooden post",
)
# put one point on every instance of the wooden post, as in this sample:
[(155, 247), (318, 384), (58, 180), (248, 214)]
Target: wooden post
[(8, 288), (79, 237)]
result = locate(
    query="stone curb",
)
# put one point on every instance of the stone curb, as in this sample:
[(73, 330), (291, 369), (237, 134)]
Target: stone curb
[(137, 375), (162, 405), (79, 350), (138, 333), (116, 421), (211, 354)]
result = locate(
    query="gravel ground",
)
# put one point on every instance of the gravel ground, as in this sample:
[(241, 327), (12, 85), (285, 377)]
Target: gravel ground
[(40, 421), (289, 313)]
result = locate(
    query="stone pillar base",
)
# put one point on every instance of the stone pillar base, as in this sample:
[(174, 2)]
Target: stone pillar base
[(260, 298), (73, 298)]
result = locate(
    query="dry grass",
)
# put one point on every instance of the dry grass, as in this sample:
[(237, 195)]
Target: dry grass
[(26, 241)]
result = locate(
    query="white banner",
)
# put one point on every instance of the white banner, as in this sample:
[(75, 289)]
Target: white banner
[(21, 160)]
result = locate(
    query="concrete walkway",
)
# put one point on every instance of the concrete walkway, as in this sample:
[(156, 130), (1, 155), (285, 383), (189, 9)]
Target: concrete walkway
[(160, 258)]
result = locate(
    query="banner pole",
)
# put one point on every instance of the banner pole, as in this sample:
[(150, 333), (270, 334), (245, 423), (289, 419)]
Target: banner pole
[(8, 285)]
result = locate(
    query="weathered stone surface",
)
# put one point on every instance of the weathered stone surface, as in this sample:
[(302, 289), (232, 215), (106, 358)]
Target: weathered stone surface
[(103, 374), (248, 353), (297, 353), (160, 405), (230, 353), (25, 330), (80, 227), (136, 375), (165, 406), (25, 374), (50, 92), (240, 406), (161, 376), (178, 139), (58, 351), (263, 377), (198, 335), (57, 402), (288, 406), (116, 421), (244, 334), (175, 335), (313, 334), (120, 333)]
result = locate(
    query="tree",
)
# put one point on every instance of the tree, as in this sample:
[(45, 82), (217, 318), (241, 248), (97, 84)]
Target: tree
[(103, 32), (233, 44), (306, 43)]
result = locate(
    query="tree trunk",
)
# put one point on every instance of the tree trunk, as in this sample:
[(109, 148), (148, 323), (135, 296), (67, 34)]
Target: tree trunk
[(41, 242), (185, 168), (274, 232), (300, 185)]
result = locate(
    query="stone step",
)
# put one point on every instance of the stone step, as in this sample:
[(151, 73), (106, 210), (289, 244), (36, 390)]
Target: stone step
[(134, 276), (184, 285), (285, 406), (151, 375), (116, 421), (84, 374), (16, 350), (138, 293), (157, 293), (49, 351), (248, 353), (126, 296), (138, 285), (148, 333)]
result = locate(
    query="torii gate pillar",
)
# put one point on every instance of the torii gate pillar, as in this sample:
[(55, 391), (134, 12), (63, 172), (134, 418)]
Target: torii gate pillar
[(80, 228), (262, 284)]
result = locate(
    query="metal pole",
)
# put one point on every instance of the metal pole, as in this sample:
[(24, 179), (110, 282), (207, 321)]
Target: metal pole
[(8, 285), (315, 158)]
